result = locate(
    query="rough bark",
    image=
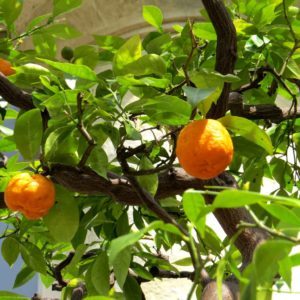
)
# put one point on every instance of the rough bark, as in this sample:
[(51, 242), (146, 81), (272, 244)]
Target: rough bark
[(225, 52)]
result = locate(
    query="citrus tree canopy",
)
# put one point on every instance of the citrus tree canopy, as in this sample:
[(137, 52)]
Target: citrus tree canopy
[(99, 124)]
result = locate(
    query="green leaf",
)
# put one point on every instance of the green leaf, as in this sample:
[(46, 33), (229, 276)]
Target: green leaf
[(266, 265), (121, 265), (99, 298), (220, 275), (153, 15), (10, 250), (98, 161), (205, 31), (129, 52), (28, 133), (33, 257), (10, 10), (205, 79), (249, 130), (60, 102), (296, 139), (76, 70), (145, 65), (193, 206), (132, 289), (34, 70), (195, 95), (109, 42), (100, 274), (59, 143), (63, 6), (129, 80), (73, 267), (235, 198), (63, 218), (5, 295), (165, 110), (148, 182), (44, 44), (285, 270), (36, 21), (7, 145), (23, 277), (282, 213), (124, 241), (61, 31), (282, 173)]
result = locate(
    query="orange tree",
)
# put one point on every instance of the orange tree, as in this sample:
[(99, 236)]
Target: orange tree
[(101, 121)]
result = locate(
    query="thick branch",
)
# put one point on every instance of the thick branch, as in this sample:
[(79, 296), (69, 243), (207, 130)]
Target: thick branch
[(172, 183), (225, 52), (86, 181), (13, 95), (260, 111)]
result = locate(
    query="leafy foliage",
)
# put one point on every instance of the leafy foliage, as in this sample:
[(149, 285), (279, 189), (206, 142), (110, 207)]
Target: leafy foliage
[(86, 115)]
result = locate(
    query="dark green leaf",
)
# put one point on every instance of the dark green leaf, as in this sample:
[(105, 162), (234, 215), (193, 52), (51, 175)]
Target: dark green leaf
[(195, 95), (63, 218), (148, 182), (266, 265), (63, 6), (23, 276), (28, 133), (165, 110), (124, 241), (282, 213), (132, 289), (98, 161), (33, 257), (10, 10), (100, 274), (121, 265), (60, 145), (10, 250)]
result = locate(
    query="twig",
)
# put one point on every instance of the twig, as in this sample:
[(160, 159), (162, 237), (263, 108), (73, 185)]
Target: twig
[(57, 272), (190, 56), (259, 224), (91, 142)]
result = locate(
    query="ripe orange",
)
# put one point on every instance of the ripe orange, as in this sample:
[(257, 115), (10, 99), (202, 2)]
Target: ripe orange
[(6, 68), (32, 195), (204, 148)]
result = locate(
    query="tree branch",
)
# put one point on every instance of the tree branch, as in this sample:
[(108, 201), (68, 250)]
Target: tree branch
[(225, 52), (261, 111), (13, 95)]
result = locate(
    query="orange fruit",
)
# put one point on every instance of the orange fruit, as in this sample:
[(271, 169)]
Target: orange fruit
[(6, 67), (32, 195), (204, 148)]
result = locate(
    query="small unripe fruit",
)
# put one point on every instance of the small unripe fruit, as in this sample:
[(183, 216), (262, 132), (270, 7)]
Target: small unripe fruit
[(67, 53)]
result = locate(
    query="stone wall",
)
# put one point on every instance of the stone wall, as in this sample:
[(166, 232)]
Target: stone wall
[(119, 17)]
